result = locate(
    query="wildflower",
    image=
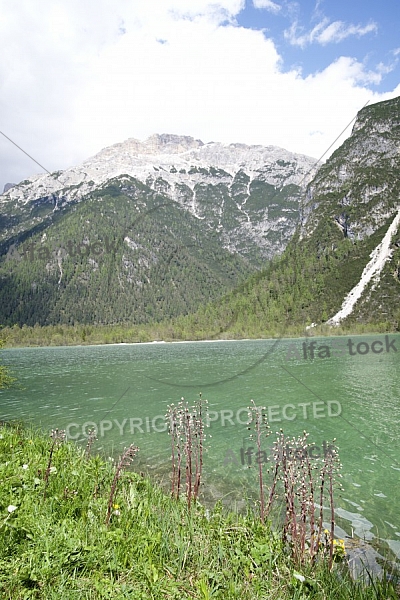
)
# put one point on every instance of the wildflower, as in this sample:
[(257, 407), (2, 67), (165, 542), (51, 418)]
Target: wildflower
[(116, 510), (339, 549), (11, 508), (339, 544), (25, 467)]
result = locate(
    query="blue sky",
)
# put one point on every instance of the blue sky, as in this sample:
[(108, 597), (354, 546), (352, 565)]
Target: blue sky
[(77, 76), (311, 34)]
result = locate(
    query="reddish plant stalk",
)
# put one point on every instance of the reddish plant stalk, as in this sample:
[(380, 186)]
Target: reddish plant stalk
[(199, 433), (124, 462), (331, 462), (57, 437), (260, 473), (273, 485), (187, 437), (92, 437), (321, 505), (172, 430), (179, 442), (257, 419), (173, 437), (188, 452), (311, 511)]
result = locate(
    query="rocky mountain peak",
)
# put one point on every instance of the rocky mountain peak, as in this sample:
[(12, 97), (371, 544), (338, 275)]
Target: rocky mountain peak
[(171, 144), (7, 187), (174, 159), (156, 144)]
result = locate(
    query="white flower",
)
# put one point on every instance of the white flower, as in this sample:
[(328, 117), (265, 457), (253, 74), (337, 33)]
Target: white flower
[(11, 508), (25, 466)]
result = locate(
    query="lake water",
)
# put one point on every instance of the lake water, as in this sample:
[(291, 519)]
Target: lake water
[(350, 392)]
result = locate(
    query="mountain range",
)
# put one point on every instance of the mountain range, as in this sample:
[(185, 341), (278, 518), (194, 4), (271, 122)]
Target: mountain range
[(218, 237), (145, 230)]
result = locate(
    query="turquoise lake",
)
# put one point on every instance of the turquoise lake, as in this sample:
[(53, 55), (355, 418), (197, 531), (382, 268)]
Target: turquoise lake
[(350, 392)]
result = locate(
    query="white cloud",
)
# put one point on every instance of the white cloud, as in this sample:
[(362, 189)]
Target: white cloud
[(338, 31), (78, 76), (317, 6), (147, 12), (326, 32), (267, 4)]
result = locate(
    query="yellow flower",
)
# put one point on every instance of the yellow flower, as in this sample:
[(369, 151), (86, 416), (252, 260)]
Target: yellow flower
[(116, 506)]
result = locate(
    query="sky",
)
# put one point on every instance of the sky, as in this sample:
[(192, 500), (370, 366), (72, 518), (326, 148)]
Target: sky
[(79, 75)]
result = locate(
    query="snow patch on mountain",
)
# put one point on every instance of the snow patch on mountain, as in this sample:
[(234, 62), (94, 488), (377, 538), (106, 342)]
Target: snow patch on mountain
[(170, 159), (379, 256)]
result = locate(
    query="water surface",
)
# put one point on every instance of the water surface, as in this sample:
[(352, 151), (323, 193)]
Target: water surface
[(124, 391)]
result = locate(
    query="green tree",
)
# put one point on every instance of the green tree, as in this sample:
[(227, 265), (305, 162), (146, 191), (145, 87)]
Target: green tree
[(5, 378)]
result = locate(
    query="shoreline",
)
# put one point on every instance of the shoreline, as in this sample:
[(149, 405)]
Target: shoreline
[(247, 339)]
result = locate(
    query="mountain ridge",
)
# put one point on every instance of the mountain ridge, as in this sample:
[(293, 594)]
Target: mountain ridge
[(239, 189), (217, 230), (170, 152), (159, 205)]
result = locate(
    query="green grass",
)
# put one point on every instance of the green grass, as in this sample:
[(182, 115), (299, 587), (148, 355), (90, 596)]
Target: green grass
[(56, 545)]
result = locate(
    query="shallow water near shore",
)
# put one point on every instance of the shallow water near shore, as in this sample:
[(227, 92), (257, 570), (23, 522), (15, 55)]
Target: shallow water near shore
[(332, 389)]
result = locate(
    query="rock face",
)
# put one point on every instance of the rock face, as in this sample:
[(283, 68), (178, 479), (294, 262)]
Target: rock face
[(7, 187), (359, 186), (173, 160), (248, 194), (355, 199), (149, 230), (145, 230)]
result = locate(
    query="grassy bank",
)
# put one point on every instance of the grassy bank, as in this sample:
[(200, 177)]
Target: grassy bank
[(55, 543)]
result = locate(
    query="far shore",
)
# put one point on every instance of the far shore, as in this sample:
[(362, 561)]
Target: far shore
[(314, 333)]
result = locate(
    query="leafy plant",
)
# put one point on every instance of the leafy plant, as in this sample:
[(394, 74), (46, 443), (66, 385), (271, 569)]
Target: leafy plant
[(6, 379)]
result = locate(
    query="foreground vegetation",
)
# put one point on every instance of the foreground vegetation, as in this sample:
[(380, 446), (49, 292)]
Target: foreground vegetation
[(58, 538)]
